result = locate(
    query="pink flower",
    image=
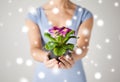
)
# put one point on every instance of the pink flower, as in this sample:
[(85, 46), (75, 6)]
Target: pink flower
[(64, 31), (59, 31)]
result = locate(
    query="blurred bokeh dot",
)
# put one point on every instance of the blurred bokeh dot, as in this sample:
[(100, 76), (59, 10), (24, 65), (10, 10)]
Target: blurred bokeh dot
[(95, 16), (23, 80), (78, 51), (112, 70), (65, 80), (29, 62), (55, 10), (41, 75), (109, 56), (19, 60), (100, 22), (116, 4), (25, 29), (68, 23), (98, 75), (78, 72)]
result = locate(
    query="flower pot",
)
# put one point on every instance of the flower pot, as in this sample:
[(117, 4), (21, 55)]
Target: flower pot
[(68, 52)]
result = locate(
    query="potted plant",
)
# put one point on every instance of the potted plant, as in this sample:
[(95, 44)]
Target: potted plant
[(58, 41)]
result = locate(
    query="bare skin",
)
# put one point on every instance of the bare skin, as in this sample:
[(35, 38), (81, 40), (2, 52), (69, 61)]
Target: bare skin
[(67, 9)]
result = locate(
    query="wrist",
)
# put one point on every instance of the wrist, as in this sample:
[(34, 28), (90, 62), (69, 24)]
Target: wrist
[(45, 55)]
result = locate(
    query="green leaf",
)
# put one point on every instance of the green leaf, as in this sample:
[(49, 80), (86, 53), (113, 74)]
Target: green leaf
[(69, 46), (59, 39), (59, 51), (67, 38), (50, 45), (49, 37), (71, 32)]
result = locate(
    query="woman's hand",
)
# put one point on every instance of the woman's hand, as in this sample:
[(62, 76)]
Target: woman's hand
[(66, 62), (50, 63)]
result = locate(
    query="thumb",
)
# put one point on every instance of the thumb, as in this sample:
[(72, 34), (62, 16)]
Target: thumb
[(46, 58)]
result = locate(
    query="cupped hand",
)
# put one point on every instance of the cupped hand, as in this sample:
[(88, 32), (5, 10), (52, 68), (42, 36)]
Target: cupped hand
[(66, 62), (50, 63)]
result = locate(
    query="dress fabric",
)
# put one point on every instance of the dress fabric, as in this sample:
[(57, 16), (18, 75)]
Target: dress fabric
[(76, 73)]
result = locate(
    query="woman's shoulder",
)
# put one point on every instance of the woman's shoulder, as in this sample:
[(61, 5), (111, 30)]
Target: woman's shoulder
[(83, 9), (85, 12), (33, 13)]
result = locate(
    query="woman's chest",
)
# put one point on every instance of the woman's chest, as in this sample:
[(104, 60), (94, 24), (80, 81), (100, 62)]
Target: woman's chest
[(59, 19)]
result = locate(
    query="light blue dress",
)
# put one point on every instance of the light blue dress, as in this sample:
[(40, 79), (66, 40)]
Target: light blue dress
[(76, 73)]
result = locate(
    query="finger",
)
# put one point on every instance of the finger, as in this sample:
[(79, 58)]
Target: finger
[(69, 59), (66, 63), (46, 59), (51, 61), (52, 65), (56, 66), (61, 65)]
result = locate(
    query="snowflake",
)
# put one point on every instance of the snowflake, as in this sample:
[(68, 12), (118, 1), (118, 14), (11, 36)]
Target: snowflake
[(80, 9), (67, 56), (55, 10), (29, 62), (78, 51), (96, 65), (112, 70), (109, 56), (49, 23), (55, 70), (20, 10), (98, 75), (65, 80), (116, 4), (84, 47), (100, 1), (25, 29), (95, 16), (9, 14), (91, 61), (41, 75), (19, 60), (78, 72), (86, 40), (86, 57), (23, 80), (107, 40), (74, 17), (34, 54), (100, 22), (68, 23), (98, 46), (36, 42), (51, 2), (85, 31), (32, 10), (46, 30)]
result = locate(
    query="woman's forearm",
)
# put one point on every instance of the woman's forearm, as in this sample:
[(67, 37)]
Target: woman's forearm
[(38, 54), (78, 57)]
